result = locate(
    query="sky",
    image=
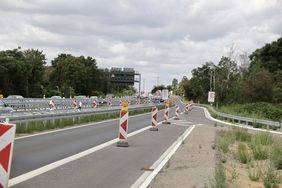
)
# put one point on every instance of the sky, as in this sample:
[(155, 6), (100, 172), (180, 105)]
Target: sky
[(161, 39)]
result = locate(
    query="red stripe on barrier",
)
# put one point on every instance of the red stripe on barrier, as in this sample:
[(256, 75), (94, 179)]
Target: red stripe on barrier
[(124, 126), (155, 116), (4, 129), (5, 156), (121, 136)]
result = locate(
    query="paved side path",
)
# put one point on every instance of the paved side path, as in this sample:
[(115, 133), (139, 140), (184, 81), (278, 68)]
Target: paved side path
[(193, 163)]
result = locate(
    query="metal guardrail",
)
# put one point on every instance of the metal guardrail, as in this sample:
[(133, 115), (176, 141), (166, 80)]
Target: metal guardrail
[(243, 119), (31, 104), (57, 114)]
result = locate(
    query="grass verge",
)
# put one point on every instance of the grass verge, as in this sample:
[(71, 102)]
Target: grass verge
[(250, 159)]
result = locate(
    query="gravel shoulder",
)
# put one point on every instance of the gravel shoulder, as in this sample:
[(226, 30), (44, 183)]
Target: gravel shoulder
[(193, 163)]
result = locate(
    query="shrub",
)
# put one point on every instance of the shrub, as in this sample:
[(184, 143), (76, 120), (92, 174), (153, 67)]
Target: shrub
[(254, 173), (241, 134), (260, 152), (276, 155), (242, 154), (219, 177), (271, 178), (263, 138)]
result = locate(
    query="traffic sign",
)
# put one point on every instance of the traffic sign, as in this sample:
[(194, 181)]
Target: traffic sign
[(211, 96)]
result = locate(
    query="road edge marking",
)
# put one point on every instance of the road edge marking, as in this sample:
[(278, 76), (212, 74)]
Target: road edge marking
[(146, 178)]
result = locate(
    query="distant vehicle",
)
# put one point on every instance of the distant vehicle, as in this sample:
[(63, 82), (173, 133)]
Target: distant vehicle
[(81, 97), (15, 97), (110, 96), (94, 97), (4, 109), (156, 100), (56, 97)]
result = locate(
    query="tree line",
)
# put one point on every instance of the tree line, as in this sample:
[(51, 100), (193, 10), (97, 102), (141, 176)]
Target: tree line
[(26, 73), (237, 78)]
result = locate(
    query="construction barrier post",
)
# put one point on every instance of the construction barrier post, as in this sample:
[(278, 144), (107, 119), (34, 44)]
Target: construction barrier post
[(7, 135), (123, 125), (94, 104), (186, 108), (154, 119), (109, 102), (166, 113), (176, 112)]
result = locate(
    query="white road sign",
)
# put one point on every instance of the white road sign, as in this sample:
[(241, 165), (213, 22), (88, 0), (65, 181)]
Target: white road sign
[(211, 96)]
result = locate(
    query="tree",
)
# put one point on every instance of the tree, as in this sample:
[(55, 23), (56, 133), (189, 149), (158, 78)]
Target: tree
[(174, 85), (226, 78), (258, 86), (79, 73), (159, 87), (34, 61), (268, 57)]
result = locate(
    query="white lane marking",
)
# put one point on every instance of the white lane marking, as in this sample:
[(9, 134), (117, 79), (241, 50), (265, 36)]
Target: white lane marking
[(75, 127), (51, 166), (208, 116), (145, 179)]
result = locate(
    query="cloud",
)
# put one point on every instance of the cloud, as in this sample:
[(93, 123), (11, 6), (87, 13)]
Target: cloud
[(161, 39)]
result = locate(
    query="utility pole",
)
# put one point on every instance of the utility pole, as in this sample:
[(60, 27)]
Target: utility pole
[(144, 84), (158, 80)]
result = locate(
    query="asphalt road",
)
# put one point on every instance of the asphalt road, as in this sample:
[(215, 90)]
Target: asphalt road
[(110, 167), (34, 152)]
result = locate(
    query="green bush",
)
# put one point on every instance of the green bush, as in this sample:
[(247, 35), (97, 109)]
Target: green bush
[(241, 134), (276, 155), (219, 177), (263, 138), (224, 143), (254, 173), (260, 152), (271, 178), (260, 110), (242, 154)]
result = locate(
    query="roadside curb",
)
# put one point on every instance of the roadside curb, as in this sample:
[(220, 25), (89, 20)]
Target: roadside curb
[(208, 116)]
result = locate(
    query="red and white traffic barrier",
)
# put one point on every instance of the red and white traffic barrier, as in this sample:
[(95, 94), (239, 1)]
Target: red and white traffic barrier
[(166, 115), (94, 104), (7, 135), (109, 102), (176, 112), (191, 106), (154, 119), (52, 105), (75, 104), (186, 108), (123, 126)]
